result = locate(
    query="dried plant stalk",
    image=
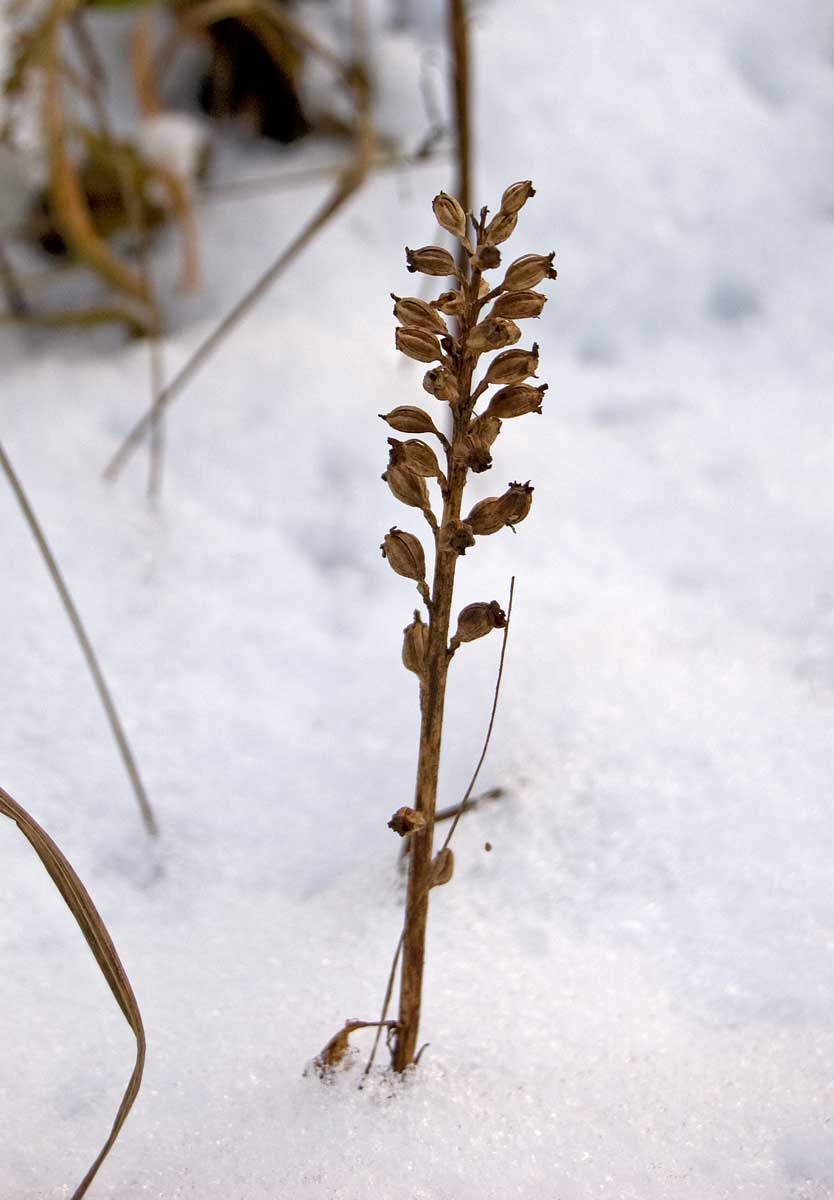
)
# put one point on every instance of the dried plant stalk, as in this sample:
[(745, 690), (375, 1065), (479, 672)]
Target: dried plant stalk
[(427, 648), (77, 899)]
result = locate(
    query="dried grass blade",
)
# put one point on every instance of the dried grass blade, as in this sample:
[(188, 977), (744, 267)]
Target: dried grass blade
[(83, 641), (78, 900)]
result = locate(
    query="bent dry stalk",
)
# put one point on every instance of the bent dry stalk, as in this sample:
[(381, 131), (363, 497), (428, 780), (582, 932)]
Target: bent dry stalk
[(485, 317)]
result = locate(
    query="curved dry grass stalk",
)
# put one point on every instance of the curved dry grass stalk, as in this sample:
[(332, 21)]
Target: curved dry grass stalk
[(84, 642), (78, 901)]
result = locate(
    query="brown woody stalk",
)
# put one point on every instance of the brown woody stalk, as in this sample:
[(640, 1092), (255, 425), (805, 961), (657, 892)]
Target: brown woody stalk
[(428, 649)]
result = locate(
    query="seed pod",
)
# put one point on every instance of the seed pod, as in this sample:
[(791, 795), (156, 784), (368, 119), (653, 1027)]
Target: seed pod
[(513, 366), (430, 260), (442, 867), (492, 514), (516, 502), (415, 645), (408, 419), (486, 428), (405, 554), (529, 270), (493, 334), (406, 820), (500, 227), (417, 343), (407, 487), (477, 620), (519, 305), (416, 456), (516, 401), (486, 258), (418, 314), (451, 303), (474, 453), (441, 383), (456, 536), (486, 517), (450, 216), (517, 195)]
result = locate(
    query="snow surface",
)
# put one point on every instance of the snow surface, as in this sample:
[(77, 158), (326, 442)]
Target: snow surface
[(630, 997)]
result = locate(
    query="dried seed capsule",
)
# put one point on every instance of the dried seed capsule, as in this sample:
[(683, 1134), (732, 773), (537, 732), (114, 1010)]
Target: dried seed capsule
[(516, 502), (450, 216), (456, 536), (492, 514), (418, 314), (517, 195), (442, 867), (407, 487), (486, 517), (451, 303), (430, 260), (406, 820), (477, 620), (516, 401), (474, 453), (408, 419), (441, 383), (416, 456), (486, 258), (519, 305), (529, 270), (486, 428), (415, 645), (405, 554), (500, 227), (493, 334), (418, 343), (513, 366)]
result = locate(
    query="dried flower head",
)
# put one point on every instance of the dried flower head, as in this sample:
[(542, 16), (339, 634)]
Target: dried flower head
[(404, 553), (517, 195), (430, 260), (408, 419), (450, 216), (418, 314), (406, 820), (418, 343), (529, 270), (415, 645)]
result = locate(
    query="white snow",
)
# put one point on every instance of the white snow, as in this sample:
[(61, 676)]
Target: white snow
[(630, 996)]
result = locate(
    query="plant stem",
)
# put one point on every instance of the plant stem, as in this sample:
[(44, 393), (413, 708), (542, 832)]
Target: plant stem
[(432, 701)]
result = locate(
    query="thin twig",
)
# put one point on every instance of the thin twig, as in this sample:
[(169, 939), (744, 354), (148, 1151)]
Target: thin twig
[(232, 189), (461, 808), (498, 679), (461, 88), (84, 643)]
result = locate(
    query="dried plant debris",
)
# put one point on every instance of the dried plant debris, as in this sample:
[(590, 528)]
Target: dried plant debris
[(336, 1053), (468, 329)]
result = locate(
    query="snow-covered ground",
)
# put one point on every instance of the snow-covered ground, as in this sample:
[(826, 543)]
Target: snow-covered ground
[(630, 997)]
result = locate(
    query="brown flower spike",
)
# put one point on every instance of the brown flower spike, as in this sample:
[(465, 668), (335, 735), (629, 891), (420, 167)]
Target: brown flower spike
[(465, 363)]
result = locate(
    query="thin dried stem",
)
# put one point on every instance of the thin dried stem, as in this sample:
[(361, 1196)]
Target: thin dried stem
[(84, 642), (461, 88), (477, 771), (456, 812)]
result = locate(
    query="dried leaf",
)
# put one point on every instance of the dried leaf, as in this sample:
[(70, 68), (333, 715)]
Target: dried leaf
[(78, 900)]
